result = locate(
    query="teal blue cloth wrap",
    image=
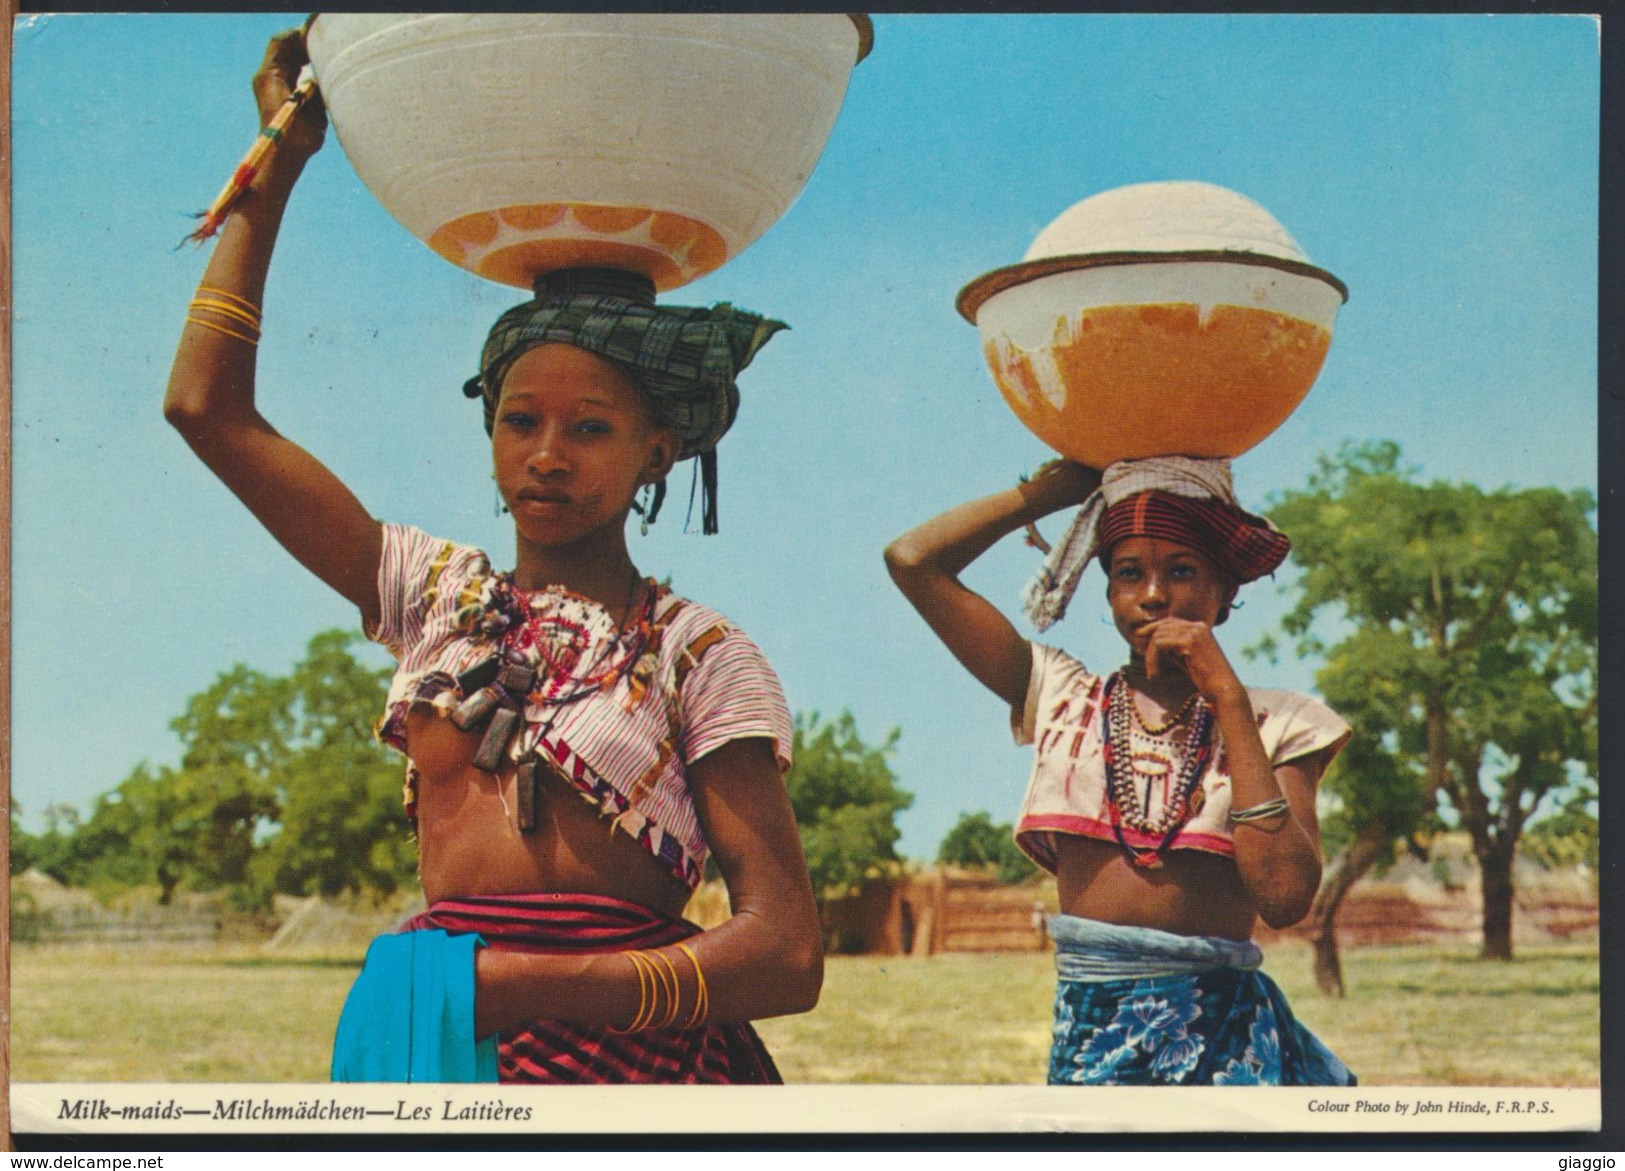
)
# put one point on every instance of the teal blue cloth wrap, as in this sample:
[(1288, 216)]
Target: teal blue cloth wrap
[(410, 1014)]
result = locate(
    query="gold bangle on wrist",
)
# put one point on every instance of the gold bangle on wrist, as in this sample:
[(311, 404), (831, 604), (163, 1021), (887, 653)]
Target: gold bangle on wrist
[(702, 997), (643, 997), (675, 989), (657, 981)]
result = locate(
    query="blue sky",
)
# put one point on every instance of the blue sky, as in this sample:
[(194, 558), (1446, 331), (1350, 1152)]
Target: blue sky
[(1445, 167)]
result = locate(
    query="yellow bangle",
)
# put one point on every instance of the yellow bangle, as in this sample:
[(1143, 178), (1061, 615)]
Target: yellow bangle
[(654, 990), (702, 997), (243, 301), (658, 987), (657, 979), (253, 341), (643, 997), (227, 309), (676, 989)]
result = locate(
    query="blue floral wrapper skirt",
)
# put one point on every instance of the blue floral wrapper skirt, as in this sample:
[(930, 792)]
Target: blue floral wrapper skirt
[(1139, 1007)]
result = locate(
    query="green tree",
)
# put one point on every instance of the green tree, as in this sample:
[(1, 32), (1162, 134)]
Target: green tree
[(143, 832), (54, 852), (24, 845), (199, 824), (846, 800), (1466, 662), (281, 787), (338, 791), (975, 840), (1570, 837)]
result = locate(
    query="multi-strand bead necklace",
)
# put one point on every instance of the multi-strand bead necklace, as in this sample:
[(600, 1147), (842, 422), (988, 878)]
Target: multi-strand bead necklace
[(1134, 752)]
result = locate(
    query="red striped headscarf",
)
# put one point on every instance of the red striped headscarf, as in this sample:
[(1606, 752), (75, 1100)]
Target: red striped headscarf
[(1179, 498), (1243, 545)]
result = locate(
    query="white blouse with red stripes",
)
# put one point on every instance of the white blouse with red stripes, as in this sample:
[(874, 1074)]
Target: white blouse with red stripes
[(698, 683), (1068, 794)]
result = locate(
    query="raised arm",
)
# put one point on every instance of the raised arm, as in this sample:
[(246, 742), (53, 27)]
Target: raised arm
[(926, 562), (210, 399), (767, 960)]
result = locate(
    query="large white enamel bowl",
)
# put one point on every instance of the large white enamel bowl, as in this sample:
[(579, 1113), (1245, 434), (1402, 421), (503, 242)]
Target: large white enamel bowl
[(516, 144), (1156, 319)]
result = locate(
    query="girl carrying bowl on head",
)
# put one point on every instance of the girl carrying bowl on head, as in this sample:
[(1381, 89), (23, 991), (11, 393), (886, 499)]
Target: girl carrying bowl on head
[(580, 739), (1174, 805)]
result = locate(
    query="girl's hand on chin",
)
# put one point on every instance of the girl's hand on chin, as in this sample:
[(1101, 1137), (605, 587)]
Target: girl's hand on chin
[(1177, 644)]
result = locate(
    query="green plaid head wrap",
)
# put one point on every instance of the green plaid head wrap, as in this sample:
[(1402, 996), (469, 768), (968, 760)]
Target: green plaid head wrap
[(685, 360)]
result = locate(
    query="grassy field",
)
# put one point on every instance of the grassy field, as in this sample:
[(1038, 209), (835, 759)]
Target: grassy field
[(1413, 1016)]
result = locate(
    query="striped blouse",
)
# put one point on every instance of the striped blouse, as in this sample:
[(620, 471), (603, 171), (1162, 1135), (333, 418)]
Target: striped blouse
[(697, 684)]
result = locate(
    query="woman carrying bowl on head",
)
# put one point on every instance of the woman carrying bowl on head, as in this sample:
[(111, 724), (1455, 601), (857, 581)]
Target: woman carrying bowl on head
[(1174, 805), (580, 739)]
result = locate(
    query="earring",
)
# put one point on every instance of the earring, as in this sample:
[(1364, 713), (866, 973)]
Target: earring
[(644, 509), (500, 504)]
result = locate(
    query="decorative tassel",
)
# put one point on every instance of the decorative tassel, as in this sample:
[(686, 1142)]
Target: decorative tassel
[(708, 491), (253, 162), (705, 478)]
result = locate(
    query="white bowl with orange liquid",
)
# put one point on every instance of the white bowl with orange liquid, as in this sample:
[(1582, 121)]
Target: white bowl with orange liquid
[(516, 144), (1156, 319)]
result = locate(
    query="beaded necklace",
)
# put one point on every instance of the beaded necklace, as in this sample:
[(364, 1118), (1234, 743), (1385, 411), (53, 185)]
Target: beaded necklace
[(557, 628), (1127, 763), (542, 638), (1170, 723)]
